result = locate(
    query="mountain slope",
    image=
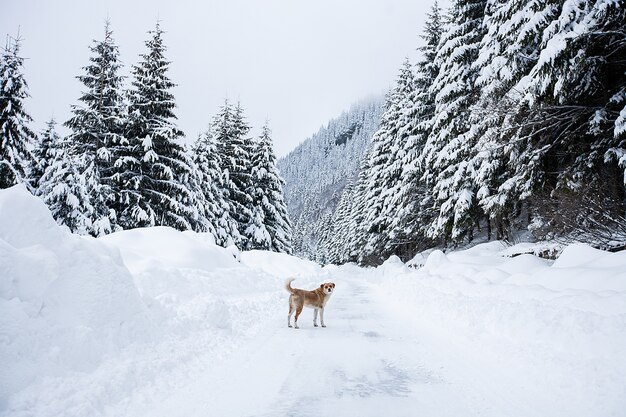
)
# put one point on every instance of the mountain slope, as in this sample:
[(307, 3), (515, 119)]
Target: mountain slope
[(317, 171)]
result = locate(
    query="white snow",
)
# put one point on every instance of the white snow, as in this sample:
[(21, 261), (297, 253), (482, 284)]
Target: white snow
[(155, 322)]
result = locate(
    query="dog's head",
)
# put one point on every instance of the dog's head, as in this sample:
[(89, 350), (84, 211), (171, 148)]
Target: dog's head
[(327, 288)]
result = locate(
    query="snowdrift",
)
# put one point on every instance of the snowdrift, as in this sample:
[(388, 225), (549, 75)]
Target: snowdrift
[(66, 301), (564, 320)]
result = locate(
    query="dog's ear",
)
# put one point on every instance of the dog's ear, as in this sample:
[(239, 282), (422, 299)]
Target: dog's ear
[(321, 285), (333, 284)]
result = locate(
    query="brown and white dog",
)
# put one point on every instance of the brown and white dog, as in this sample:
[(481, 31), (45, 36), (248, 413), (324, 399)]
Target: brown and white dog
[(315, 299)]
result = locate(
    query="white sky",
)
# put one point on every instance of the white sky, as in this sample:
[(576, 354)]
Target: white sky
[(297, 63)]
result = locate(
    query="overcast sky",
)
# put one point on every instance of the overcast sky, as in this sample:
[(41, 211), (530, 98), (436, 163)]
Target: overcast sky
[(296, 63)]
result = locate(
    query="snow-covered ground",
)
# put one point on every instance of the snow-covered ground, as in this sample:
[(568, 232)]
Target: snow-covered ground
[(155, 322)]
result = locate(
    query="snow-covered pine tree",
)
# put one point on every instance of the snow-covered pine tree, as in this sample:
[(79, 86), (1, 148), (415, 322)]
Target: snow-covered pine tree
[(271, 225), (448, 148), (155, 168), (413, 199), (216, 208), (15, 135), (64, 190), (97, 131), (384, 164), (356, 231), (508, 51), (44, 153), (340, 230), (233, 148), (570, 145)]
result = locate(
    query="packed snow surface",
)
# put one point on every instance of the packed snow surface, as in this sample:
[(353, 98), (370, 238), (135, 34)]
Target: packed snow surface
[(155, 322)]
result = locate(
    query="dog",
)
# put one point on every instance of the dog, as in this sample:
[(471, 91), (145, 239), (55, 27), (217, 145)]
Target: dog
[(315, 299)]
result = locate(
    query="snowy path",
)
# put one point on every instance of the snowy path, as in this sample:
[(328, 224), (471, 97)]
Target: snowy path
[(369, 361)]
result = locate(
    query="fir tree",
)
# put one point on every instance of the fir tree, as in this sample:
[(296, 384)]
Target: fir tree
[(413, 201), (154, 169), (216, 208), (96, 131), (234, 154), (270, 228), (384, 165), (64, 190), (15, 135), (448, 148), (508, 51), (576, 96), (44, 153)]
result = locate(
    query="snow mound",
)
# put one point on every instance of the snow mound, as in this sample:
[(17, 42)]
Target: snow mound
[(162, 247), (65, 301), (280, 264)]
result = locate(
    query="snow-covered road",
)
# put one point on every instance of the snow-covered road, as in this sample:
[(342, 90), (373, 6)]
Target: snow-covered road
[(373, 359), (367, 362)]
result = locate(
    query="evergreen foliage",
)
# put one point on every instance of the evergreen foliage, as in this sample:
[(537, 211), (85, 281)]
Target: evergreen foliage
[(15, 135), (154, 170), (514, 115), (233, 148), (97, 128), (44, 153), (64, 190), (270, 228)]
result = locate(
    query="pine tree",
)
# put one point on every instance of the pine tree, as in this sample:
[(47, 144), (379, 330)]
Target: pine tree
[(412, 201), (154, 169), (216, 208), (64, 190), (44, 153), (341, 226), (97, 131), (233, 148), (270, 228), (448, 148), (508, 51), (15, 135), (385, 164)]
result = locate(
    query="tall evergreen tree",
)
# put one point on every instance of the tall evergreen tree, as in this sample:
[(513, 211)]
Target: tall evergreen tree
[(270, 226), (384, 164), (15, 135), (413, 199), (448, 148), (216, 208), (234, 148), (568, 143), (97, 130), (153, 171), (508, 51)]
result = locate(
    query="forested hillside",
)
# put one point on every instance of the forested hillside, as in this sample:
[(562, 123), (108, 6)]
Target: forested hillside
[(511, 125), (317, 171)]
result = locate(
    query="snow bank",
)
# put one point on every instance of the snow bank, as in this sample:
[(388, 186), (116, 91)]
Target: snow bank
[(564, 319), (164, 247), (66, 301), (280, 264)]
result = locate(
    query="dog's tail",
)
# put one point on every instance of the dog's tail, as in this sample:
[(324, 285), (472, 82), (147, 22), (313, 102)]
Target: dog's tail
[(288, 285)]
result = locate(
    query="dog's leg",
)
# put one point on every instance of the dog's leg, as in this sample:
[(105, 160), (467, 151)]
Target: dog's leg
[(290, 313), (322, 316), (298, 311), (315, 317)]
